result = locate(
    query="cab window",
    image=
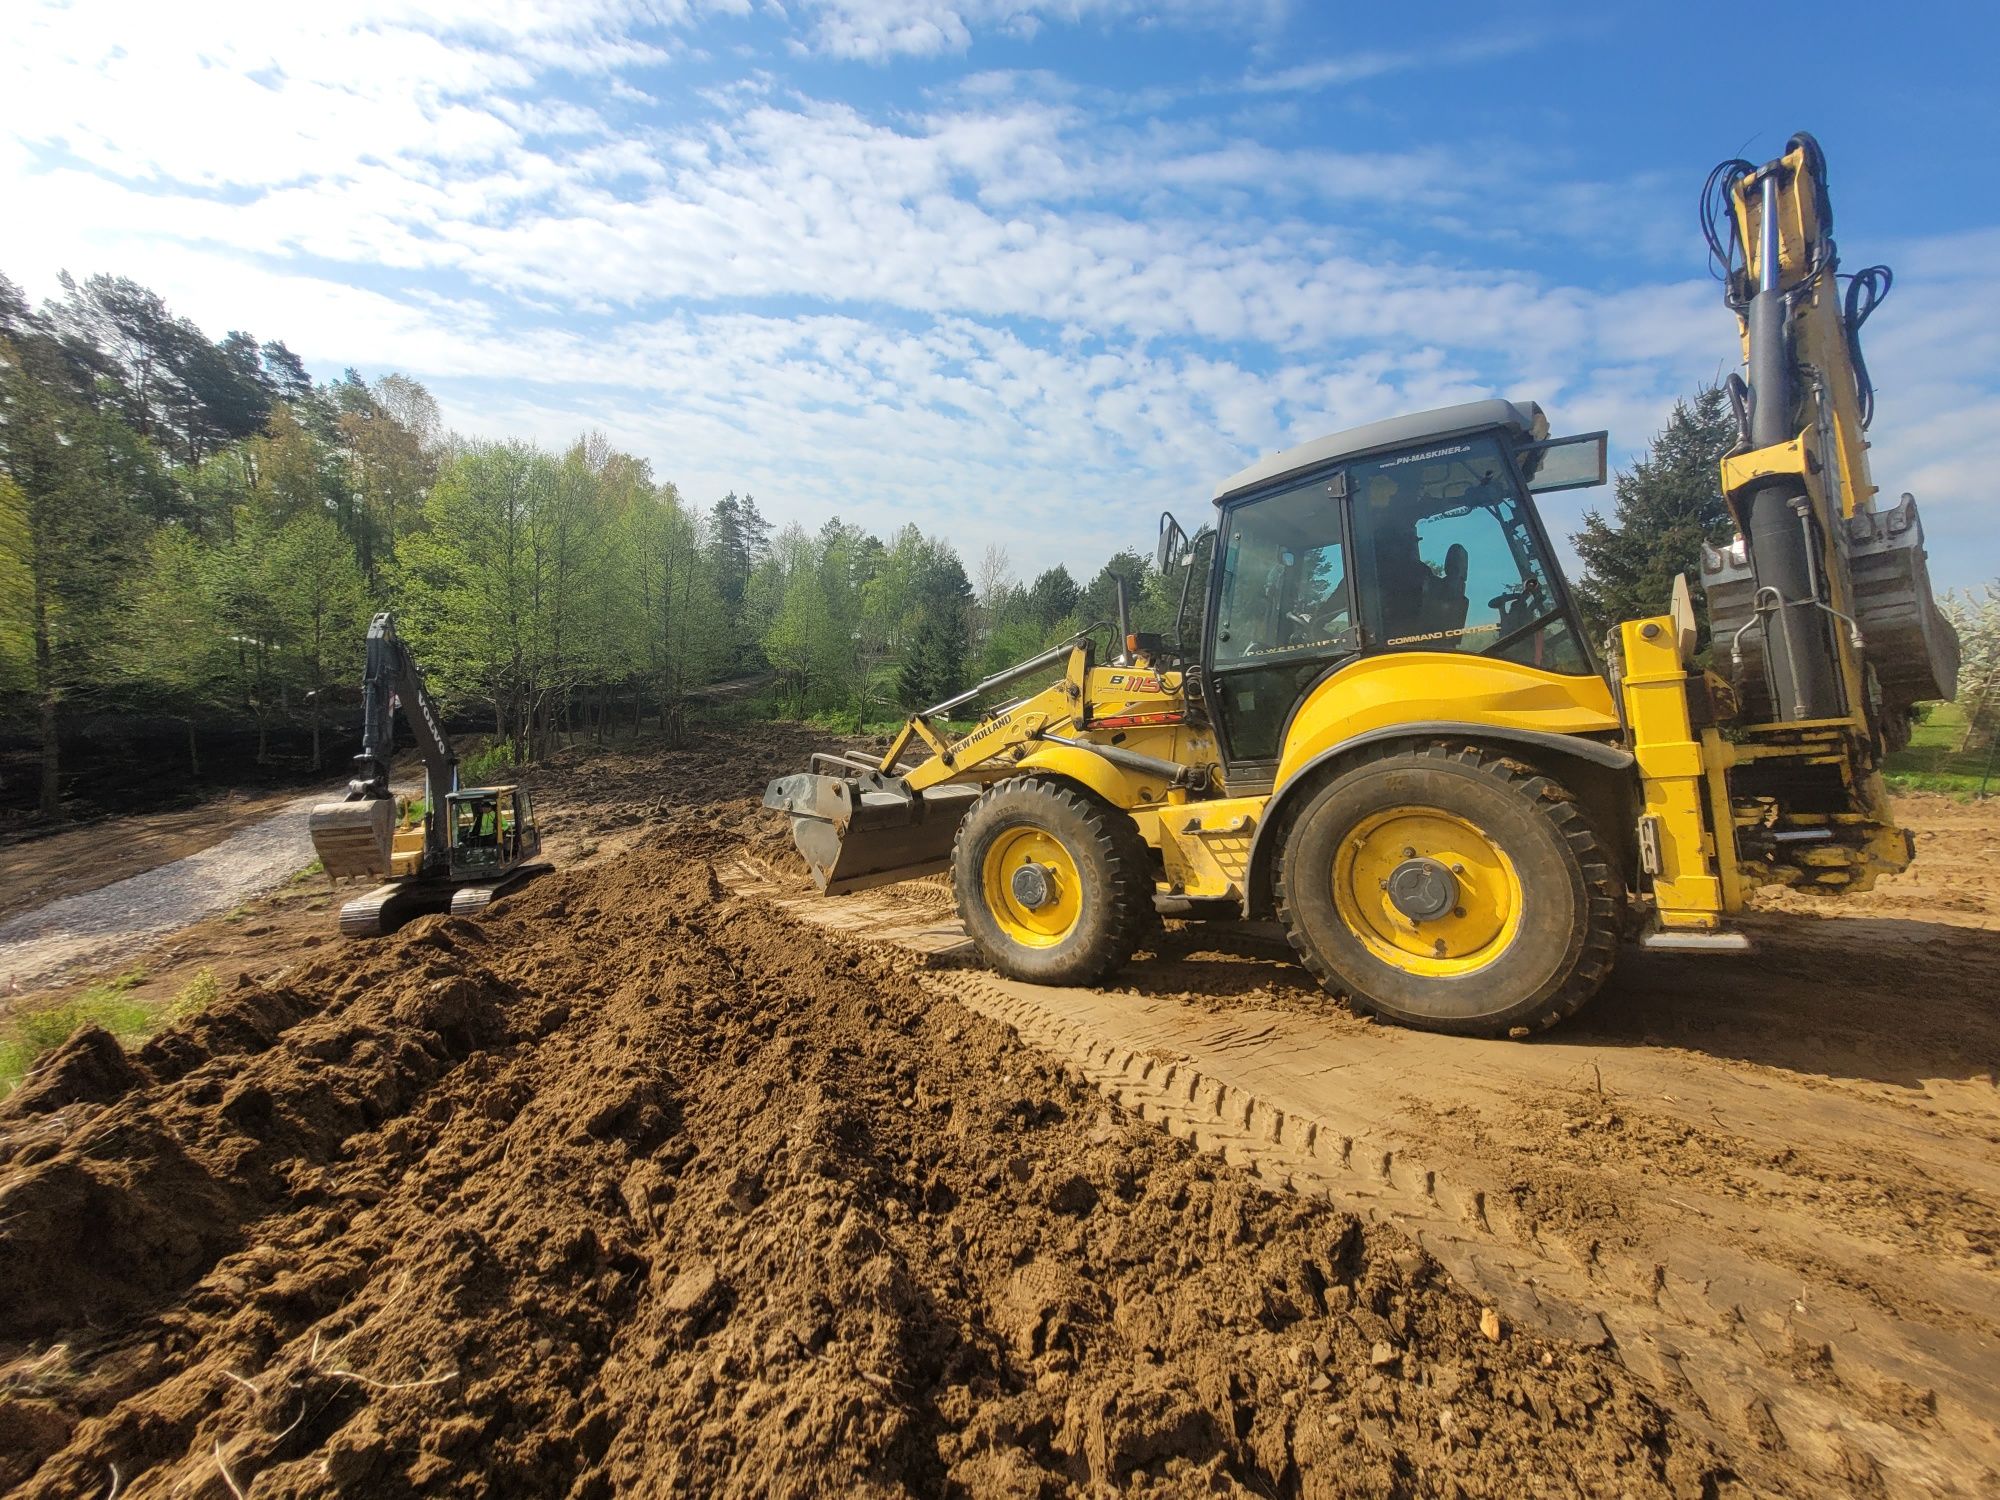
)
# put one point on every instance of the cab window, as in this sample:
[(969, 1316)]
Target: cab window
[(1284, 580), (1283, 613), (1451, 560)]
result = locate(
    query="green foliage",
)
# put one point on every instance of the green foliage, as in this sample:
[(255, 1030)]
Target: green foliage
[(1668, 503), (1052, 597), (1975, 615), (30, 1035), (934, 662), (1944, 756), (486, 765)]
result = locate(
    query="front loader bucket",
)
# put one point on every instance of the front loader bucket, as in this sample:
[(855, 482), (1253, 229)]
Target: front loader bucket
[(855, 834), (353, 838)]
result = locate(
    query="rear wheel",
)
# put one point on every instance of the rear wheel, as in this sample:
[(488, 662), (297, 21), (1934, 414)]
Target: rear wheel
[(1450, 889), (1053, 885)]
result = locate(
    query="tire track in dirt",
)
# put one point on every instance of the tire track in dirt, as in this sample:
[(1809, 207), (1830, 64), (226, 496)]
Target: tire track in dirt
[(1764, 1281)]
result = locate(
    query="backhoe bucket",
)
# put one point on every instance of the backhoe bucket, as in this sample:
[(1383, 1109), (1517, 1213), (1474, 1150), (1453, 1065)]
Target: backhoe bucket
[(857, 832), (353, 838)]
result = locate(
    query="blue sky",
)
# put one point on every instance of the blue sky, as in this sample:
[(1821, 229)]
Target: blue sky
[(1024, 273)]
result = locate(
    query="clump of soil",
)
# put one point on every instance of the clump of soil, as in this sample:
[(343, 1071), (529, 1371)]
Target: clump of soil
[(637, 1187)]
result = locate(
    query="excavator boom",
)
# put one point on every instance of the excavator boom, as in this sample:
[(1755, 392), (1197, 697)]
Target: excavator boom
[(473, 844), (356, 837)]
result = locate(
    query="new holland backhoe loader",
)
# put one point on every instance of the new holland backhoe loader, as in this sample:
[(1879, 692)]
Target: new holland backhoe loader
[(471, 843), (1392, 732)]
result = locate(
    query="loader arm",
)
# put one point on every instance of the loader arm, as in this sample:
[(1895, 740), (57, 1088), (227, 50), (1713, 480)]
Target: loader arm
[(861, 824)]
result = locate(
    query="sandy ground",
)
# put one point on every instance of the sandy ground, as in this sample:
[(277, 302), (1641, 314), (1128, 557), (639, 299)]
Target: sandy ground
[(662, 1179)]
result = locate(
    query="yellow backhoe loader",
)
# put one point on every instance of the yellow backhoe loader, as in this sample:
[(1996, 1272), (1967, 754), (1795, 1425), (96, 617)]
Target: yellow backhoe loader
[(1386, 726), (471, 843)]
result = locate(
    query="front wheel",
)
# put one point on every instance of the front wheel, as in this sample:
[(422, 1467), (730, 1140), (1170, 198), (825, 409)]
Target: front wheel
[(1450, 889), (1053, 885)]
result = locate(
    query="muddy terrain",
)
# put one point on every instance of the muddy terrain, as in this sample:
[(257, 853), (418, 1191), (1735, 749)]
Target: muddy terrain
[(662, 1179)]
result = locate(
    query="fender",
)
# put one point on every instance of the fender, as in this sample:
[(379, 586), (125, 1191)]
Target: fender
[(1258, 899), (1113, 784)]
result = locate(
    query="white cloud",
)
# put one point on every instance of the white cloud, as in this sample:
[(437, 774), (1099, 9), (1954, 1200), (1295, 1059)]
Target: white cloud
[(880, 30), (1361, 65)]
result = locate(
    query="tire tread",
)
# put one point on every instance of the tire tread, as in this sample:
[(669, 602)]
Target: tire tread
[(1552, 801), (1126, 904)]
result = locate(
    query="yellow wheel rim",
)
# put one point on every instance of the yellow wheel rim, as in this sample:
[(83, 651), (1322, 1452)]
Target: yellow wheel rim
[(1485, 914), (1059, 902)]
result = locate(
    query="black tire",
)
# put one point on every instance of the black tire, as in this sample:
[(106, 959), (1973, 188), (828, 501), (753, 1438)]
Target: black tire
[(1570, 906), (1115, 880)]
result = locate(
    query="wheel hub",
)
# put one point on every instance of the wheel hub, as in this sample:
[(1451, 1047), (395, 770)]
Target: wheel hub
[(1422, 889), (1034, 886), (1427, 891)]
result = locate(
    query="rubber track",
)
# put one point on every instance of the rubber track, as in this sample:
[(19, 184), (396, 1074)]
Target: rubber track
[(1554, 802), (1711, 1342)]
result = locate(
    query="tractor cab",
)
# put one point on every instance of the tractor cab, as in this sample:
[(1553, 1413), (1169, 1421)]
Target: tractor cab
[(491, 829), (1415, 534)]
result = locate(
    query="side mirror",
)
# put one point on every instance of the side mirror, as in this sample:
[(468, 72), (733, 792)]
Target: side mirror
[(1172, 538), (1571, 463)]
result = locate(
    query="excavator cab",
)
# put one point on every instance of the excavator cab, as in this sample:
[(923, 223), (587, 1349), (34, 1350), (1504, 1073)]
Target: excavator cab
[(492, 829)]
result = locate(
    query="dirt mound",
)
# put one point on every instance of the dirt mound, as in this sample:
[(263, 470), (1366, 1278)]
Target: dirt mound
[(636, 1187)]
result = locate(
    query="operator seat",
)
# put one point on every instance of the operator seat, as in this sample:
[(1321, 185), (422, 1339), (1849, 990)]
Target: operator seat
[(1445, 604)]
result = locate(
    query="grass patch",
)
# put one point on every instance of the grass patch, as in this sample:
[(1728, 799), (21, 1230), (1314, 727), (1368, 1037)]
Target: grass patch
[(194, 997), (1933, 762), (29, 1036), (315, 868)]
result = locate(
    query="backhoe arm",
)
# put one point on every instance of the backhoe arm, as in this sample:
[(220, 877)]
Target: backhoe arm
[(1827, 611)]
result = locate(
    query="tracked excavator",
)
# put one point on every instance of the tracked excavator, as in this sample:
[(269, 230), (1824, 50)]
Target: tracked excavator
[(1386, 726), (470, 845)]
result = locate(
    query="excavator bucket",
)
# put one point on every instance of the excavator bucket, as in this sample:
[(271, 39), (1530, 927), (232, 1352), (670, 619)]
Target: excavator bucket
[(353, 838), (861, 831)]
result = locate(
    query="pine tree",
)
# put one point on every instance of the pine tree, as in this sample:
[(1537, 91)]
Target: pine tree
[(934, 666), (1053, 596), (1668, 503)]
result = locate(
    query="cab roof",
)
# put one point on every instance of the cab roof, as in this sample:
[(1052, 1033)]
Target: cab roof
[(1523, 418)]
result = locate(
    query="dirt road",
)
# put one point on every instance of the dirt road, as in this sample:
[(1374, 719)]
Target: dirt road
[(104, 925), (652, 1182), (40, 867)]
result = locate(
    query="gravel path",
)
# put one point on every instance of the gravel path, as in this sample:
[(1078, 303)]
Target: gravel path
[(104, 926)]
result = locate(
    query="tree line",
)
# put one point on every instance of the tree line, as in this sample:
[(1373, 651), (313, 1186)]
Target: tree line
[(197, 530)]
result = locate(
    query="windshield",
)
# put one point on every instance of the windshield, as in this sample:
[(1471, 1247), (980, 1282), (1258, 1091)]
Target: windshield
[(1452, 560)]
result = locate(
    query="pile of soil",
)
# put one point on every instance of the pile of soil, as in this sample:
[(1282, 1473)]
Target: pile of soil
[(637, 1187)]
